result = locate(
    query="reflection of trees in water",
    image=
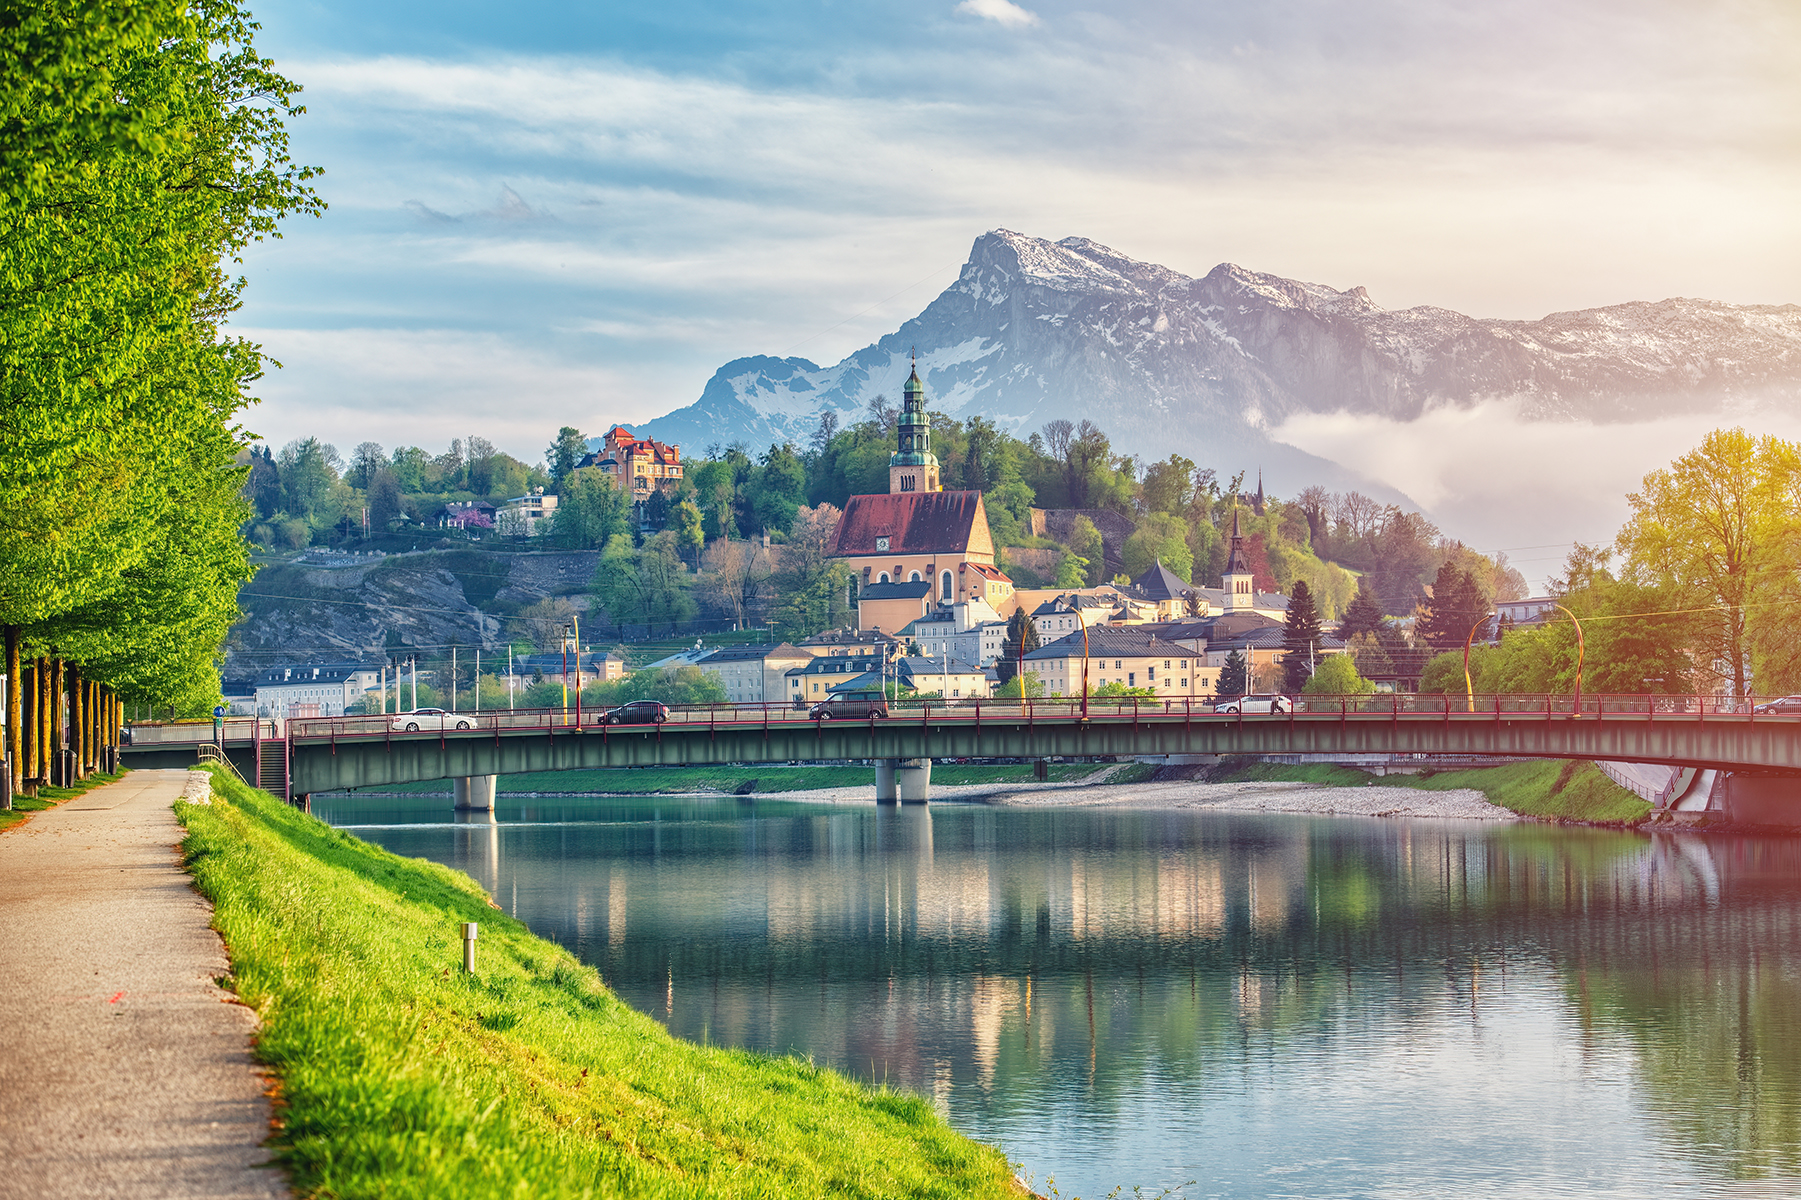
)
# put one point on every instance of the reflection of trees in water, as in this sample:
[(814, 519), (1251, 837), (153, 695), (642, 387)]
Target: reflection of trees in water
[(966, 952)]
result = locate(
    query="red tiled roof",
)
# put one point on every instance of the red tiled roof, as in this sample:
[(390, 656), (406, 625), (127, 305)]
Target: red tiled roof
[(990, 572), (913, 523)]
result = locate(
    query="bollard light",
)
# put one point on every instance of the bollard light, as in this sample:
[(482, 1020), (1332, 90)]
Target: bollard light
[(469, 930)]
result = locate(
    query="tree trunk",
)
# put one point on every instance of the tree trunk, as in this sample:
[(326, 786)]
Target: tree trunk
[(59, 709), (15, 709), (73, 684), (31, 768), (46, 719)]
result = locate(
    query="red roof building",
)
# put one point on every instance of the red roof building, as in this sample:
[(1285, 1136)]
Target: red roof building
[(639, 464)]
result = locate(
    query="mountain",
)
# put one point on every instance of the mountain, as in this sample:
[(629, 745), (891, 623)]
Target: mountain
[(1036, 330)]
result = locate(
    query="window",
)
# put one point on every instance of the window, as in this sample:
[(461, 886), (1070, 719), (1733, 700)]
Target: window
[(913, 577), (944, 586), (1132, 679), (906, 483), (884, 578), (1166, 664)]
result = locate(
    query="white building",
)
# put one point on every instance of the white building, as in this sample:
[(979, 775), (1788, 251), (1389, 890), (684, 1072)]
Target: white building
[(313, 689), (971, 632), (757, 674)]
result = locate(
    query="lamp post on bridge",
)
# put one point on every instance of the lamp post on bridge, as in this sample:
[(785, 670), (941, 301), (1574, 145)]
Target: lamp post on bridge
[(1469, 689), (1579, 654), (1083, 622)]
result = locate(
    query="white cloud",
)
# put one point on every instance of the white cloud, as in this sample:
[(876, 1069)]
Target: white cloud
[(1006, 13), (1499, 481)]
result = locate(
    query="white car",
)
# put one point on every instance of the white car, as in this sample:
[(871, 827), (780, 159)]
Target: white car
[(429, 718), (1256, 704)]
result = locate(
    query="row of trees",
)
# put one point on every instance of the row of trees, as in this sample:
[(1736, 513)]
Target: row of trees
[(143, 149)]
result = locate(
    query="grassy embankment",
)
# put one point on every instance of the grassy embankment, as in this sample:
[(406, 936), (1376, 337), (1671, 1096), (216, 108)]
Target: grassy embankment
[(1551, 790), (49, 797), (401, 1076), (645, 781)]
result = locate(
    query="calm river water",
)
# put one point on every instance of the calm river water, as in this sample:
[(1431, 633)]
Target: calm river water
[(1265, 1006)]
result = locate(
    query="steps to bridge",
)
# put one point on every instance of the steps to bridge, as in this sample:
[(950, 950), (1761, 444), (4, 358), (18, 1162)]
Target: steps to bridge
[(272, 767)]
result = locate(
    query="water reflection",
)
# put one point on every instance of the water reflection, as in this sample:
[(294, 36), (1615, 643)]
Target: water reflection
[(1267, 1005)]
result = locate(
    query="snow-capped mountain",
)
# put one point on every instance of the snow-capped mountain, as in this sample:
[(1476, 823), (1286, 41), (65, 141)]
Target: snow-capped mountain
[(1036, 330)]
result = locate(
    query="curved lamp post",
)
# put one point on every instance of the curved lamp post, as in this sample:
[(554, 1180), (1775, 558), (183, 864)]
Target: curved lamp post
[(567, 634), (1083, 622), (1579, 654), (1469, 689)]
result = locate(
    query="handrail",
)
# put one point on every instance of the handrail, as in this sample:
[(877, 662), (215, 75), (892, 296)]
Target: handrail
[(939, 712), (209, 752)]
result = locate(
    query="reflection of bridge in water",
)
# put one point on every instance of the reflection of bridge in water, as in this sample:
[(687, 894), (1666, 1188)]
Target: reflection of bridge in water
[(351, 752)]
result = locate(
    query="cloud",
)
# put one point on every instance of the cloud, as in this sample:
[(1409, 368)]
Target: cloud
[(1001, 11), (1500, 481)]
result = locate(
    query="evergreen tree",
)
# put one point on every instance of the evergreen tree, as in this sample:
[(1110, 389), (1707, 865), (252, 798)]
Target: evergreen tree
[(1300, 638), (1363, 615), (1456, 607), (1233, 679), (1022, 639), (569, 448)]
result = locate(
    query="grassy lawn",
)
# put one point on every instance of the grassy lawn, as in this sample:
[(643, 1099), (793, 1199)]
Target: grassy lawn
[(49, 797), (655, 780), (401, 1076), (1568, 790)]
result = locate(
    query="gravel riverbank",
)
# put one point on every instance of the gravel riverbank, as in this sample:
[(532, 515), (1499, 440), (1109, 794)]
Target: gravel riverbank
[(1370, 801)]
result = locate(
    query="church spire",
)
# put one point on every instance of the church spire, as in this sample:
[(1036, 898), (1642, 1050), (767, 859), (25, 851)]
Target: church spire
[(913, 467), (1238, 578)]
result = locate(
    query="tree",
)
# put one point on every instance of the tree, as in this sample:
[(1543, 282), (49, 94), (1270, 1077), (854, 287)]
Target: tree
[(1456, 608), (590, 513), (308, 469), (479, 454), (365, 461), (814, 589), (1158, 538), (739, 572), (568, 448), (1300, 638), (778, 488), (1362, 616), (1085, 542), (1337, 675), (542, 622), (1720, 528), (1233, 679), (685, 523), (384, 499), (1021, 640), (1169, 485)]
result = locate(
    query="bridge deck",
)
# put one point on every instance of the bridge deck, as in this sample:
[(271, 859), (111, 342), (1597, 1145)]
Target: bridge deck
[(328, 754)]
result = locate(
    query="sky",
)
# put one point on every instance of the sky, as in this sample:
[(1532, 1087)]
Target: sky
[(549, 213)]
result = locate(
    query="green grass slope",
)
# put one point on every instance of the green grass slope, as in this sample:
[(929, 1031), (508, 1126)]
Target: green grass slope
[(401, 1076)]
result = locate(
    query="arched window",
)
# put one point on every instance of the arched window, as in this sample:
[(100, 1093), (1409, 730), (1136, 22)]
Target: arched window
[(884, 578), (913, 578), (945, 587)]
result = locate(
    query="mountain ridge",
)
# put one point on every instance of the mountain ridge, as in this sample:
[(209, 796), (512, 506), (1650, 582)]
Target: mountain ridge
[(1034, 330)]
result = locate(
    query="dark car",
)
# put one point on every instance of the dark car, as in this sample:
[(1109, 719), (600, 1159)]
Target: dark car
[(637, 712), (859, 705), (1789, 705)]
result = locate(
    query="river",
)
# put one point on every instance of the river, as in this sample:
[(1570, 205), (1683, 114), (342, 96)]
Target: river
[(1213, 1003)]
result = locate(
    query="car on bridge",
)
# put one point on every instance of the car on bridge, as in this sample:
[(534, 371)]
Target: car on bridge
[(636, 712), (1247, 705), (429, 718), (1789, 705), (856, 705)]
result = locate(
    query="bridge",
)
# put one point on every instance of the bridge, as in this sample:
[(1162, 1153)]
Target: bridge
[(329, 754)]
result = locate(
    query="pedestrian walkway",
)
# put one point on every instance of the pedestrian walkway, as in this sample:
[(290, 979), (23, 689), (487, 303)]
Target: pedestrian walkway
[(124, 1069)]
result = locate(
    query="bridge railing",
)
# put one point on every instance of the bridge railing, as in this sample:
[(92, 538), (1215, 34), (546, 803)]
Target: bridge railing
[(933, 710)]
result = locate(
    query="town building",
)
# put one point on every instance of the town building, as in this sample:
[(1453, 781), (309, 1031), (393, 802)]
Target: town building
[(757, 674), (971, 631), (521, 516), (313, 689), (1531, 611), (560, 668), (637, 465), (918, 547), (1126, 655), (814, 681), (949, 677), (851, 643)]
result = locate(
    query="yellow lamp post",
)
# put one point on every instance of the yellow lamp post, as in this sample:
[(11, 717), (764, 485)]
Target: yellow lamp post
[(1579, 654), (1469, 689)]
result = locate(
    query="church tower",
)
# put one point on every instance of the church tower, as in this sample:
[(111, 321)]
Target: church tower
[(1237, 577), (913, 467)]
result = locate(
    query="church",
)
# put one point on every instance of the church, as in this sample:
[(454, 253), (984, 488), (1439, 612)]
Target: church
[(918, 548)]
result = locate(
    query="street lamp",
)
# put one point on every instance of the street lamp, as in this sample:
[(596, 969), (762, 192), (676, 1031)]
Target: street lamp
[(567, 633), (575, 627), (1579, 653), (1083, 622), (1469, 689)]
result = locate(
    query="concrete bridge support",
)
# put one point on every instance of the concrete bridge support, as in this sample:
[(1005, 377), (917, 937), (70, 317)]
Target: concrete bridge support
[(914, 777), (474, 793), (903, 780)]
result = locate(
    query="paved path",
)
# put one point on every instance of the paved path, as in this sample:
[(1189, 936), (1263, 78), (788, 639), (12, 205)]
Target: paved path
[(124, 1070)]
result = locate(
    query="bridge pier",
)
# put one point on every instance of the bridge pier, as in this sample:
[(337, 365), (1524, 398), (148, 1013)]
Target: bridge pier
[(474, 793), (903, 780)]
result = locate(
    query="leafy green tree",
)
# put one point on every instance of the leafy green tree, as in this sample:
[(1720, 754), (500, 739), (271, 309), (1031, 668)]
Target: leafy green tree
[(1362, 616), (814, 589), (409, 463), (1009, 508), (1158, 538), (1021, 640), (590, 513), (1085, 542), (1169, 485), (1020, 687), (686, 524), (308, 469), (778, 488), (1719, 528), (1337, 675), (568, 448), (384, 499), (1234, 679), (1300, 638)]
